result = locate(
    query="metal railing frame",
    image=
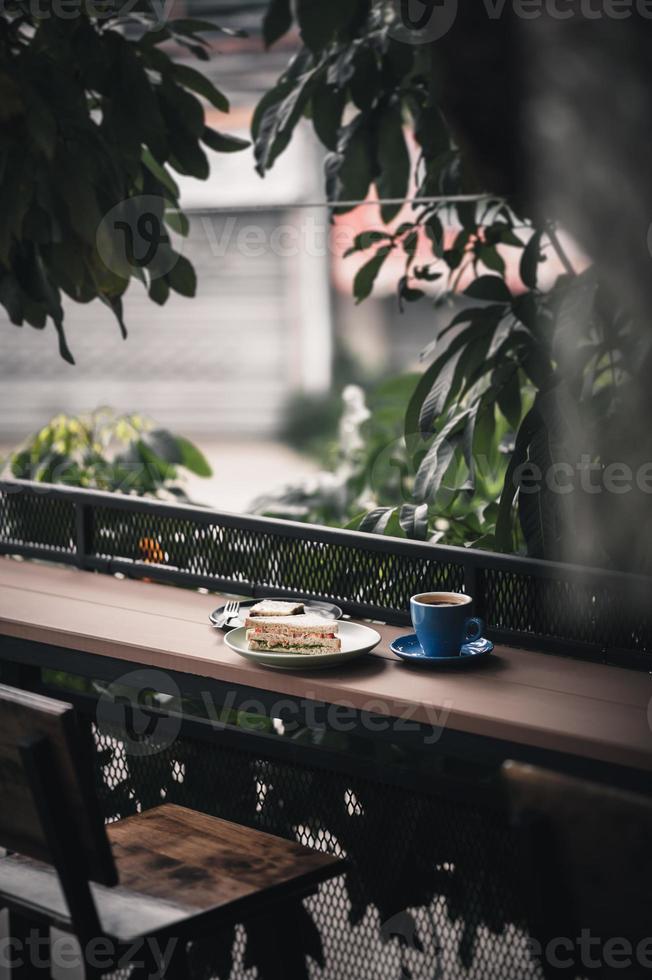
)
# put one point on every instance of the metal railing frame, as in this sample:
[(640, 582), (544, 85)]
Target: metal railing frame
[(473, 562)]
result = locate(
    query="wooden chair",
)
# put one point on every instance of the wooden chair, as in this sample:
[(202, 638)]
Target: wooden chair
[(167, 874), (587, 851)]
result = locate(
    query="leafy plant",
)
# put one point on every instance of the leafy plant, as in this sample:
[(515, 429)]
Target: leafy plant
[(104, 451), (371, 485), (530, 371), (94, 116)]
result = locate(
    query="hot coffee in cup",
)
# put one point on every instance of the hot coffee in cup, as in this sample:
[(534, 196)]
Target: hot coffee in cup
[(436, 599), (442, 623)]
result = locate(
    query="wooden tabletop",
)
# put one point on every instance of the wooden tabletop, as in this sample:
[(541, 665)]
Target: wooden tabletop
[(535, 699)]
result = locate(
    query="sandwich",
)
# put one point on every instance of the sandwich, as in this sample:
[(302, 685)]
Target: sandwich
[(267, 607), (293, 634)]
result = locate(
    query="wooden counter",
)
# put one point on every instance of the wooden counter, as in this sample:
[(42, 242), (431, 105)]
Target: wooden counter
[(548, 702)]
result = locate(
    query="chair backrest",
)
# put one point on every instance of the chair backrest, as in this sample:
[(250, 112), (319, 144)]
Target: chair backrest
[(46, 785), (589, 855)]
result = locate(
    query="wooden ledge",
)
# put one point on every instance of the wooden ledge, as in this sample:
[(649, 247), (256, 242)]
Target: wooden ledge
[(534, 699)]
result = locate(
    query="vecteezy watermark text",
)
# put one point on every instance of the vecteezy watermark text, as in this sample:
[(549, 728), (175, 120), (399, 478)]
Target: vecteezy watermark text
[(585, 475), (592, 952), (143, 707), (135, 234), (42, 952), (39, 10), (583, 952), (563, 477), (424, 21)]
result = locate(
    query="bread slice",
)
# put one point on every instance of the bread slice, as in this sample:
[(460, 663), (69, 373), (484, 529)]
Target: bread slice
[(267, 607), (297, 625), (293, 634)]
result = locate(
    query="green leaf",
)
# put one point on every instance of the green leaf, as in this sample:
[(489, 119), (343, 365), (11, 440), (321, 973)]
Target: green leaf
[(431, 131), (441, 454), (490, 288), (134, 108), (394, 162), (467, 215), (184, 118), (468, 436), (354, 523), (530, 424), (327, 104), (393, 528), (161, 174), (538, 512), (178, 222), (79, 197), (350, 171), (115, 305), (182, 278), (375, 521), (189, 158), (414, 521), (318, 20), (156, 34), (158, 469), (530, 261), (159, 291), (277, 21), (407, 294), (491, 258), (366, 275), (435, 232), (441, 381), (223, 142), (64, 350), (410, 243), (190, 27), (199, 83), (197, 46), (442, 371), (365, 240), (300, 65), (426, 274), (365, 84), (547, 517), (163, 444), (276, 116), (182, 110), (192, 458), (509, 399)]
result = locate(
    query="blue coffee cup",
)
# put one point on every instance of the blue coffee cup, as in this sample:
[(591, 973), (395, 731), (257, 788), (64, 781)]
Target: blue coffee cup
[(442, 623)]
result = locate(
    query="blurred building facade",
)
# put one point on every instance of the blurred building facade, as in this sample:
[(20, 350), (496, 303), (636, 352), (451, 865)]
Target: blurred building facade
[(273, 300), (260, 326)]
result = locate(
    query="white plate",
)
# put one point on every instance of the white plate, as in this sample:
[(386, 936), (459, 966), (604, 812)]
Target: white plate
[(356, 640)]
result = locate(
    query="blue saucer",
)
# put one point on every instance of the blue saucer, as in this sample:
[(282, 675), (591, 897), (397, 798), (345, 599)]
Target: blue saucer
[(409, 649)]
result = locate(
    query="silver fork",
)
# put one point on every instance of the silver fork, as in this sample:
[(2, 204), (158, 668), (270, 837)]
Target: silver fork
[(231, 610)]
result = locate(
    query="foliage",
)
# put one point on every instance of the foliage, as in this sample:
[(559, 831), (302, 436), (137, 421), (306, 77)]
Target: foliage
[(104, 451), (374, 470), (544, 363), (94, 116)]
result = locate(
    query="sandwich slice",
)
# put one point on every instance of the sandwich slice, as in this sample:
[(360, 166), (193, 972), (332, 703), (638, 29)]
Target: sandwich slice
[(269, 608), (293, 634)]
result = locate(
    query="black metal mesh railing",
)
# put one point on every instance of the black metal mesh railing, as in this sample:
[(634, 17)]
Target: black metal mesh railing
[(433, 887), (568, 609)]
